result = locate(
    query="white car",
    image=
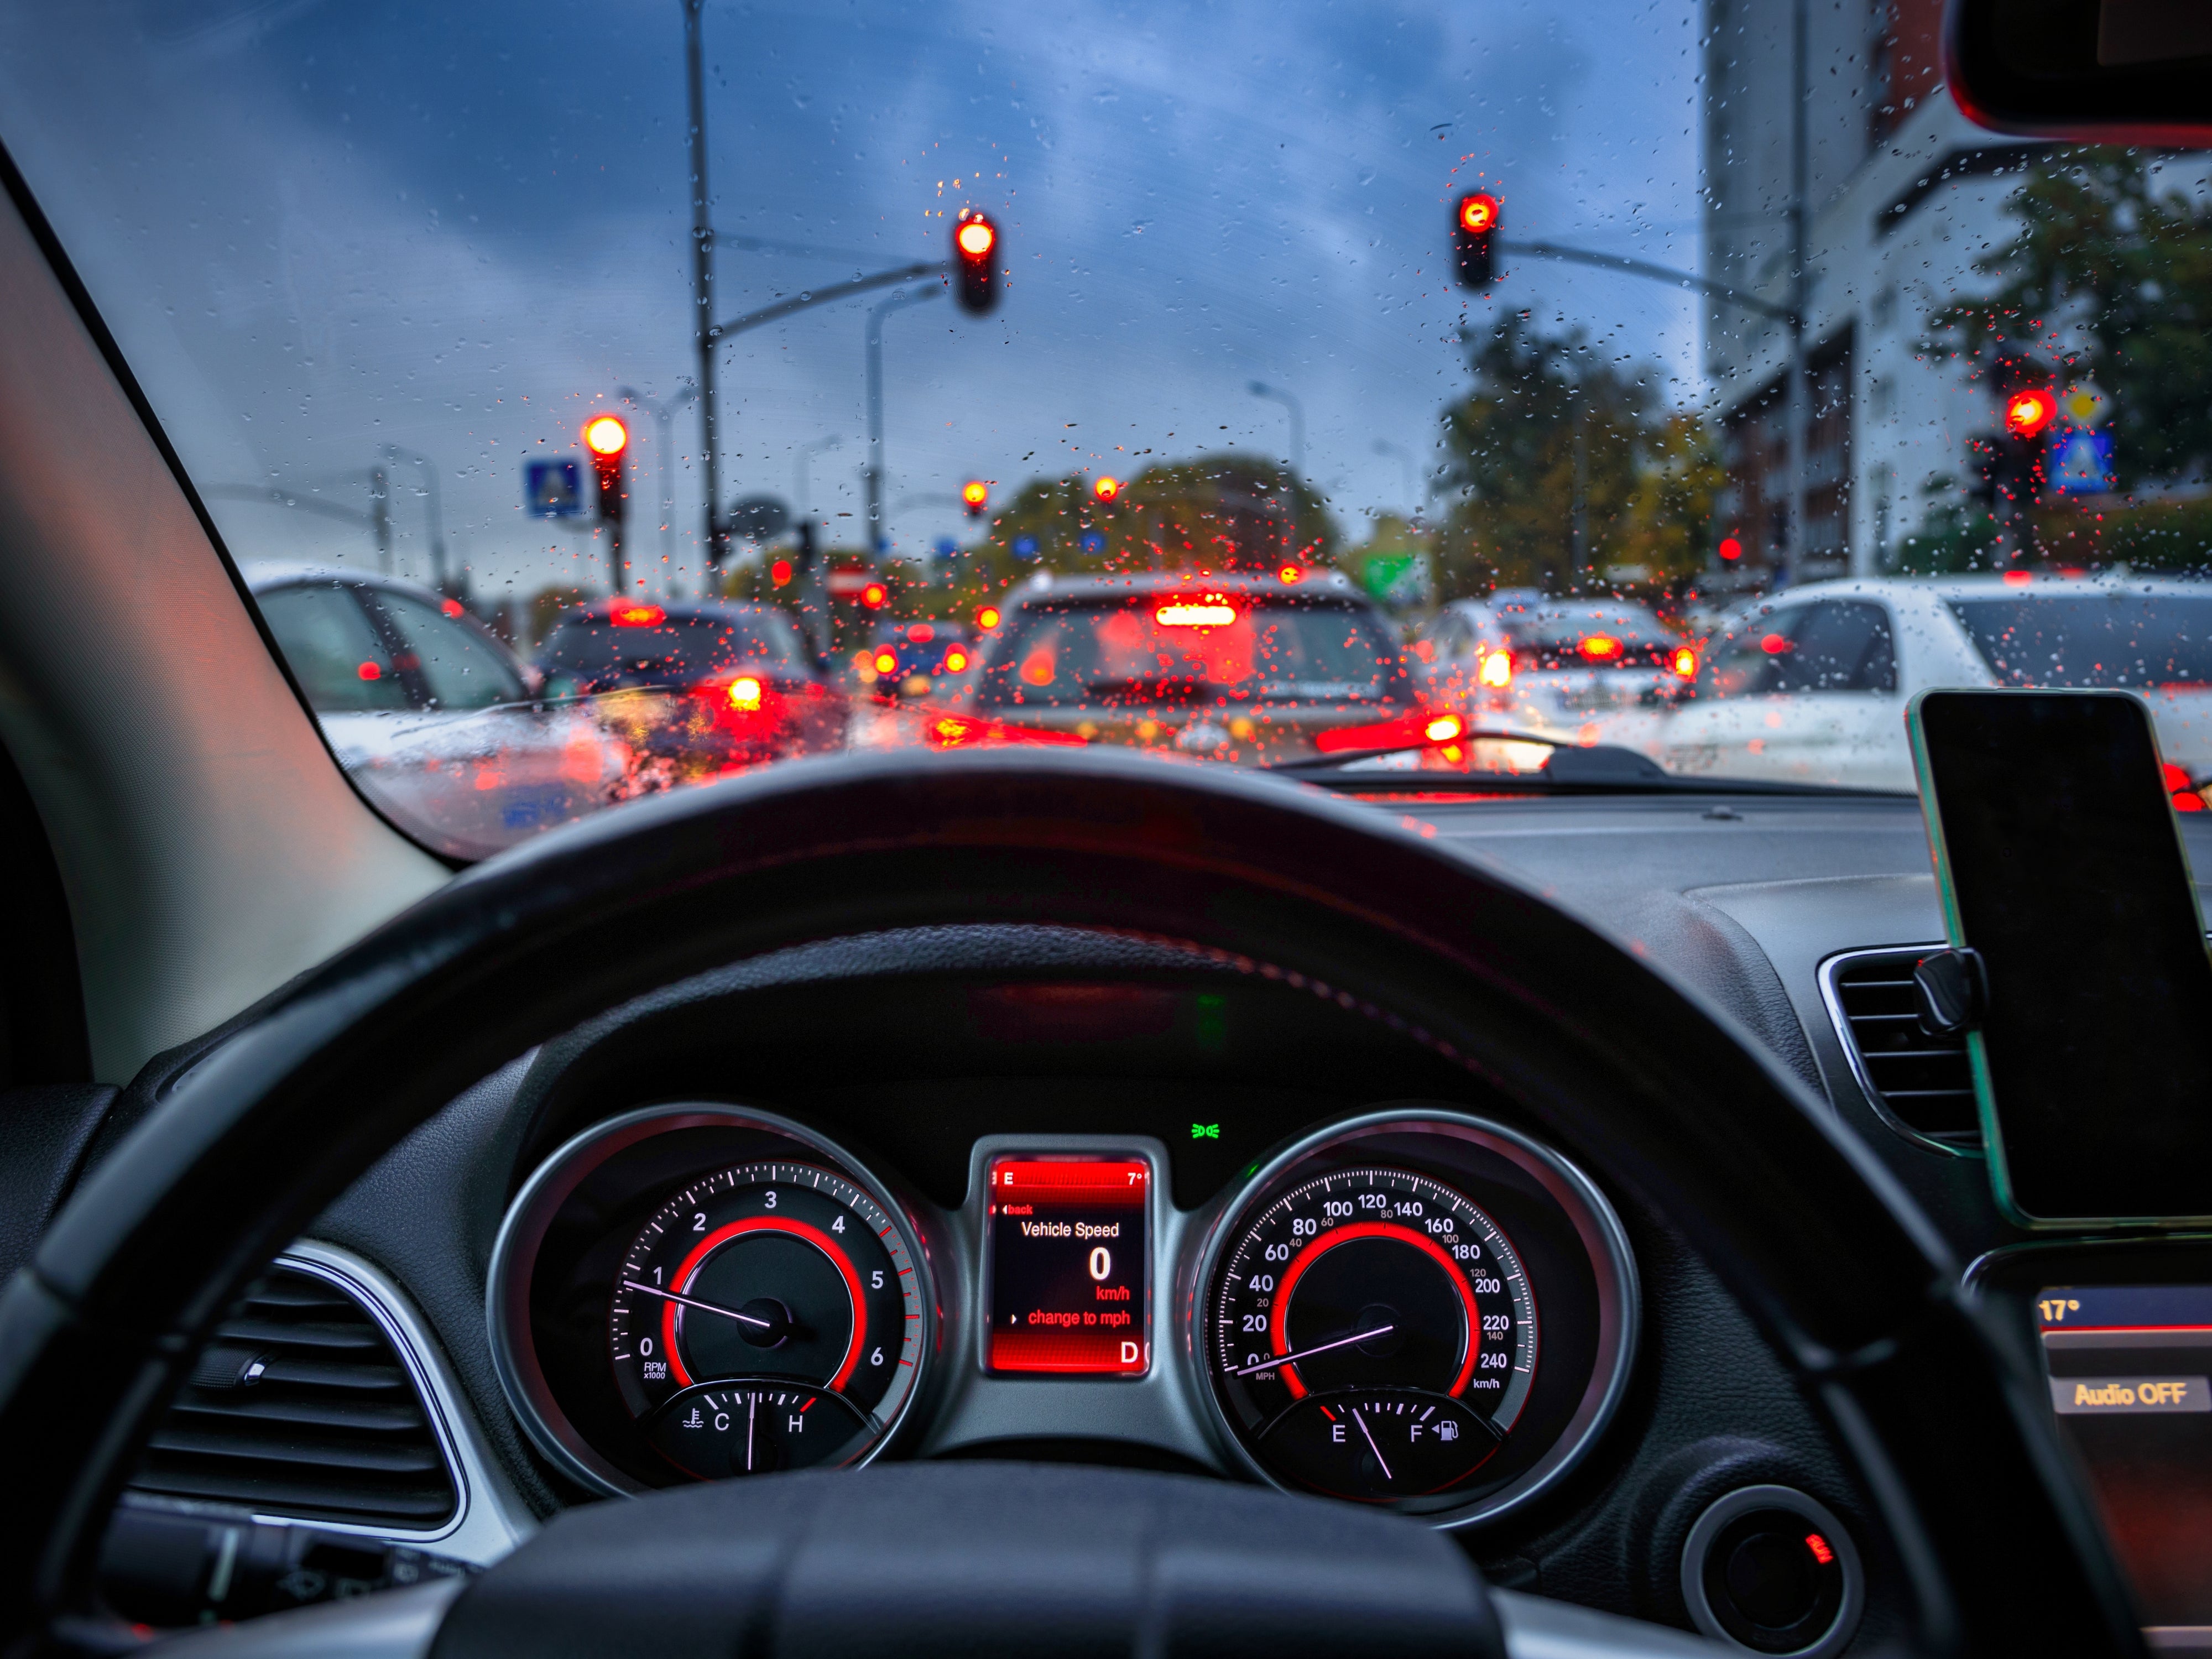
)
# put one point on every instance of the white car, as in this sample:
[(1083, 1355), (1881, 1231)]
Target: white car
[(1811, 685), (429, 713), (1548, 667)]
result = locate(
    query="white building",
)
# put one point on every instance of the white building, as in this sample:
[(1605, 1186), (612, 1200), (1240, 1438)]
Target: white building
[(1904, 197)]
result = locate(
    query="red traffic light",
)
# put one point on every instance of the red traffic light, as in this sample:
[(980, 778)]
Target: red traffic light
[(1730, 549), (780, 572), (1473, 226), (974, 495), (975, 261), (606, 434), (987, 618), (2028, 411), (1105, 488), (874, 596), (607, 438)]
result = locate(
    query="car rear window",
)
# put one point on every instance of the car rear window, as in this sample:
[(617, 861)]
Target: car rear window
[(2093, 639), (1121, 651), (593, 653)]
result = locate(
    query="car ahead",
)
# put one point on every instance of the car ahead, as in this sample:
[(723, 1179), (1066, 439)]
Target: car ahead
[(1229, 667), (1548, 666), (694, 690), (915, 659), (430, 712), (1811, 685)]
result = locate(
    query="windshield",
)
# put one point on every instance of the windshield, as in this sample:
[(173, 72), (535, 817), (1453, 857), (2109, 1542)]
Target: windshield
[(634, 383)]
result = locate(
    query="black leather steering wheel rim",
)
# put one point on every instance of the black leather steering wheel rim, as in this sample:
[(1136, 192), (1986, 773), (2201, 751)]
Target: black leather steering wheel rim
[(1633, 1073)]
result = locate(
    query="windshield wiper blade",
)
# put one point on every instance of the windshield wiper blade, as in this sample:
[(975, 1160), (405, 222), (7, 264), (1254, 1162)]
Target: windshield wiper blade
[(1331, 763), (1576, 768)]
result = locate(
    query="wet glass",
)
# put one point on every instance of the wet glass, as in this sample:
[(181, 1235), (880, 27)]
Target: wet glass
[(416, 294)]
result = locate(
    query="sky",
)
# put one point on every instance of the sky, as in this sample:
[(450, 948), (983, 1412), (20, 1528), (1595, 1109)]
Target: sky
[(437, 237)]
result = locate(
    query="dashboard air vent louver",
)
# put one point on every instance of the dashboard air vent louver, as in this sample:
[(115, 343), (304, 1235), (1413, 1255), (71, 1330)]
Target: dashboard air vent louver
[(1922, 1081), (299, 1406)]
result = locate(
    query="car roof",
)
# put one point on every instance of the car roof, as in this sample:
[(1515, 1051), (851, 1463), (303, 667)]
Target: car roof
[(267, 575), (1991, 585)]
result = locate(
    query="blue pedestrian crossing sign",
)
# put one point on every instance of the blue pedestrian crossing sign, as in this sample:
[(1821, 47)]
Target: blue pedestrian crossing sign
[(553, 488), (2082, 464)]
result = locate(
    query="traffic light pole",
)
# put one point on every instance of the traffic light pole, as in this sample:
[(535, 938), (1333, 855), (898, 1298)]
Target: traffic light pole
[(702, 290)]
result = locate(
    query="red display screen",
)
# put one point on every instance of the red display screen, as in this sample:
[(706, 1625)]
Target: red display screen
[(1069, 1265)]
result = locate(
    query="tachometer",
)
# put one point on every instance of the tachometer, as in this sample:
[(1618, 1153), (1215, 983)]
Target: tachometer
[(768, 1273), (1387, 1292)]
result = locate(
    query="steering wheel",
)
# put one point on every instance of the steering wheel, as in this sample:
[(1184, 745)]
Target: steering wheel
[(1637, 1076)]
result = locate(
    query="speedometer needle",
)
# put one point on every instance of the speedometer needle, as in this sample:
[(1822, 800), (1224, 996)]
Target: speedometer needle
[(703, 1307), (1371, 1446), (1270, 1364)]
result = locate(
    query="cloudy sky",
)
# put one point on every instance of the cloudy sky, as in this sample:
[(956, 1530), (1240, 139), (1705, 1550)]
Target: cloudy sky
[(321, 228)]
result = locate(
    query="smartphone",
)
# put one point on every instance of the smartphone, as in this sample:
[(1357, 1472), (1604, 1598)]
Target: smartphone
[(2060, 864)]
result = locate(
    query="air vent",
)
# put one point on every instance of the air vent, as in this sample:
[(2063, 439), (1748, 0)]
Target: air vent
[(1921, 1081), (300, 1406)]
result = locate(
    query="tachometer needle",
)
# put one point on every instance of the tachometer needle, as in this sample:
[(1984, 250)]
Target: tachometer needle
[(703, 1307), (1371, 1446), (1269, 1364)]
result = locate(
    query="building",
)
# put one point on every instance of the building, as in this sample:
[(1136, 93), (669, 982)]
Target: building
[(1903, 196)]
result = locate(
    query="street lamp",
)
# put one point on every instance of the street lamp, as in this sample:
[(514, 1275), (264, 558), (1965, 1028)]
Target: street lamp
[(433, 507), (874, 468), (662, 411), (802, 472), (1298, 413)]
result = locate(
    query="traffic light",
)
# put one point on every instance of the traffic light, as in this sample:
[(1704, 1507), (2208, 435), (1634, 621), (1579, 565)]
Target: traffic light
[(1473, 227), (975, 262), (608, 439), (2029, 410), (1105, 488), (975, 496)]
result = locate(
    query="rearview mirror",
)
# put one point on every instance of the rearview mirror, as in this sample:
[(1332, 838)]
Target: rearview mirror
[(2102, 71)]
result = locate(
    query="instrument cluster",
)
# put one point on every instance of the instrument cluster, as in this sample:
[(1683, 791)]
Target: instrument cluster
[(1412, 1308)]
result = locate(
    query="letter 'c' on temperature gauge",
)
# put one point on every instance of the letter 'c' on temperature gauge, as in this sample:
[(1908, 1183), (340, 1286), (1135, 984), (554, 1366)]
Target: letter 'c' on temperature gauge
[(1070, 1262)]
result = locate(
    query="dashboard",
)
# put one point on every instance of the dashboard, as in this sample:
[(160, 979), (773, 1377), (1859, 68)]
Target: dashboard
[(1028, 1193), (1414, 1307)]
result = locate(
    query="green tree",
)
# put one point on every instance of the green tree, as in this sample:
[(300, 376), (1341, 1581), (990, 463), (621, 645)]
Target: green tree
[(2108, 278), (1549, 422)]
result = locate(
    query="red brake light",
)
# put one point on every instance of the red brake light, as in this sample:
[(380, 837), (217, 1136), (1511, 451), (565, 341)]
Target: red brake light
[(639, 615), (921, 633), (451, 607), (1210, 611), (987, 618), (2018, 579), (1774, 644), (886, 662), (1685, 663), (1601, 647), (745, 694), (1496, 669), (2183, 792), (955, 661), (1443, 728)]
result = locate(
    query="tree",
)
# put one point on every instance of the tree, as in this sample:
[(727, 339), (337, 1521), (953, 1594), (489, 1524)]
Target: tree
[(2108, 278), (1549, 426)]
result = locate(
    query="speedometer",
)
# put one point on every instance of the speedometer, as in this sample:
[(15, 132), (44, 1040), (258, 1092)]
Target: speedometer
[(1376, 1331), (1415, 1308)]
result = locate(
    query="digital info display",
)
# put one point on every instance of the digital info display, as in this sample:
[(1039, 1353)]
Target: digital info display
[(1068, 1256)]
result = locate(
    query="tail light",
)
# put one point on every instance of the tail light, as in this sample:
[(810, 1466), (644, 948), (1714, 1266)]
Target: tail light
[(955, 661), (1496, 669), (2186, 799), (1414, 731), (1210, 611), (638, 615), (1601, 647), (966, 732), (886, 662), (1684, 663), (745, 694)]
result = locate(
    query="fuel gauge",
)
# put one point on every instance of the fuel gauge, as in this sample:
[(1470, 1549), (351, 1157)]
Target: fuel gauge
[(1377, 1445)]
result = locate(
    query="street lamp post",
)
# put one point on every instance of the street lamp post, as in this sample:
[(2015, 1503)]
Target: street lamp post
[(663, 410), (1298, 413), (874, 468), (1415, 498), (802, 472), (434, 507)]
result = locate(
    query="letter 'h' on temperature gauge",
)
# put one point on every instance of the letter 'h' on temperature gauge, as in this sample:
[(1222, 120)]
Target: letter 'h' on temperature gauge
[(1069, 1250)]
